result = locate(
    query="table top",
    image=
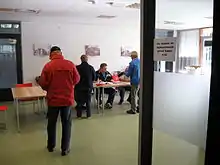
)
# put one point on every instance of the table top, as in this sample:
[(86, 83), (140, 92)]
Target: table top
[(28, 92), (37, 91), (109, 85)]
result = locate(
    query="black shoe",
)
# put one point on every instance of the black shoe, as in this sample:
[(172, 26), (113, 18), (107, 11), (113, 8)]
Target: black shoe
[(131, 112), (108, 106), (64, 153), (129, 100), (83, 107), (138, 110), (50, 149), (120, 102)]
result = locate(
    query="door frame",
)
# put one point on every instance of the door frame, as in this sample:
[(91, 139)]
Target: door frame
[(5, 94)]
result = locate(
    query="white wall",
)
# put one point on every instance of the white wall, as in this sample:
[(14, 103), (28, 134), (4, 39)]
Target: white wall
[(181, 104), (72, 38)]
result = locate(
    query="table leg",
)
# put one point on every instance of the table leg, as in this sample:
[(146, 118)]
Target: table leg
[(94, 99), (44, 105), (38, 106), (98, 90), (6, 121), (103, 106), (17, 114)]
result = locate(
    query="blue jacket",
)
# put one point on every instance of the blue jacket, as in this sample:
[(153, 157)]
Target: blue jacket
[(134, 71)]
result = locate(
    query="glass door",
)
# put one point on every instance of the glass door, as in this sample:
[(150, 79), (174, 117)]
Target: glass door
[(8, 63)]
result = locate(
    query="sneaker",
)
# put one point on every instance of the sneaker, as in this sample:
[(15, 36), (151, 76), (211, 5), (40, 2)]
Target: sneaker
[(108, 106), (129, 100), (131, 112), (120, 102), (64, 153), (100, 106)]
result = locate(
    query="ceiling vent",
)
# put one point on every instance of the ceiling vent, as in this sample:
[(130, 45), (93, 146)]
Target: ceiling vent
[(209, 17), (111, 3), (134, 6), (173, 23), (30, 11), (106, 16), (92, 1)]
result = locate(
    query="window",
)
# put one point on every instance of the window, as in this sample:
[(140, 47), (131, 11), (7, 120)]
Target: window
[(188, 49)]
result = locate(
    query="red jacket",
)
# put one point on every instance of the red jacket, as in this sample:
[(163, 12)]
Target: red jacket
[(58, 78)]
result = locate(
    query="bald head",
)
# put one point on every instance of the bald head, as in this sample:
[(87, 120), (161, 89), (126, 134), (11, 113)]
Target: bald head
[(134, 54), (84, 58)]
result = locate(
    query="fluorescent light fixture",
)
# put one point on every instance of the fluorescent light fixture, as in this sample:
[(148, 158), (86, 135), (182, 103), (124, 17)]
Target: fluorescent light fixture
[(173, 23)]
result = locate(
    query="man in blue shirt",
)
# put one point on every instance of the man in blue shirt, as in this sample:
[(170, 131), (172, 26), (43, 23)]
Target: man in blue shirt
[(134, 73)]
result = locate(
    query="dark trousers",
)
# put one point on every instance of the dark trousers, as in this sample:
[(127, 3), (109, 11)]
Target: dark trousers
[(65, 113), (122, 91), (111, 95), (83, 97)]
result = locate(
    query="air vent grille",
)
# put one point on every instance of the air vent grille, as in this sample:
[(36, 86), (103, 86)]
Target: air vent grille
[(209, 17), (106, 16)]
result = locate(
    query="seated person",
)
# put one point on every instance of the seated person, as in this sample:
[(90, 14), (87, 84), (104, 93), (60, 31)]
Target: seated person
[(103, 75), (122, 90)]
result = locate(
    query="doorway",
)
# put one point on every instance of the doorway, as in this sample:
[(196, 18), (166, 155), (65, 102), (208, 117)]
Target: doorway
[(10, 64)]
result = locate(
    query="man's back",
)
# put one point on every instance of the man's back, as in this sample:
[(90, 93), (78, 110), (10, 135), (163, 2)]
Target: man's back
[(87, 76), (134, 71), (58, 78)]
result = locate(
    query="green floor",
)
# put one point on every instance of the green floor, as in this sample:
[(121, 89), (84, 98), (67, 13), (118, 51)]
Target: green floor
[(103, 140)]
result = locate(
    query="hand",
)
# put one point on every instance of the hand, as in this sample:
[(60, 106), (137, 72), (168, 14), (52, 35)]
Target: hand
[(121, 79), (37, 79)]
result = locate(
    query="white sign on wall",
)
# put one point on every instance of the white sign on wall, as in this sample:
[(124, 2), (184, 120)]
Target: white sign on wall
[(164, 49)]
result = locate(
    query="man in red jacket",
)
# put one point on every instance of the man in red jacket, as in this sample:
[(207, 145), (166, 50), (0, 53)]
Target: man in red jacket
[(58, 78)]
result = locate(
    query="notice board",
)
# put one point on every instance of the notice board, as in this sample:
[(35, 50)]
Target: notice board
[(165, 49)]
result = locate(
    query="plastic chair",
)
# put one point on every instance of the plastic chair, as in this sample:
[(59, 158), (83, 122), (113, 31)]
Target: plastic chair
[(24, 85), (33, 100), (4, 109)]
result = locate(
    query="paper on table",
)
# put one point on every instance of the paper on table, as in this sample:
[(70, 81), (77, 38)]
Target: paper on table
[(109, 83)]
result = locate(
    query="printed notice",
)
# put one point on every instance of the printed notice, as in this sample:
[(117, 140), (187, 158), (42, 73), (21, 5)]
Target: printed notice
[(164, 49)]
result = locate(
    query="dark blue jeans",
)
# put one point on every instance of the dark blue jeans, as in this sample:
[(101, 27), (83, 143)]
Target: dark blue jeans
[(52, 115)]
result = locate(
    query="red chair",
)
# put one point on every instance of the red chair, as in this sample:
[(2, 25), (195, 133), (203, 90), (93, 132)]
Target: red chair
[(32, 100), (4, 109), (24, 85)]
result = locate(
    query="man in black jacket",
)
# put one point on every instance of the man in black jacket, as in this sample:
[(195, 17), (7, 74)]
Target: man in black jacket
[(83, 90), (103, 75)]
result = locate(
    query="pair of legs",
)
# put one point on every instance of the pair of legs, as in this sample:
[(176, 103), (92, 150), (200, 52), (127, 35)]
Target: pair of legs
[(111, 95), (122, 91), (134, 95), (52, 115), (83, 97)]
